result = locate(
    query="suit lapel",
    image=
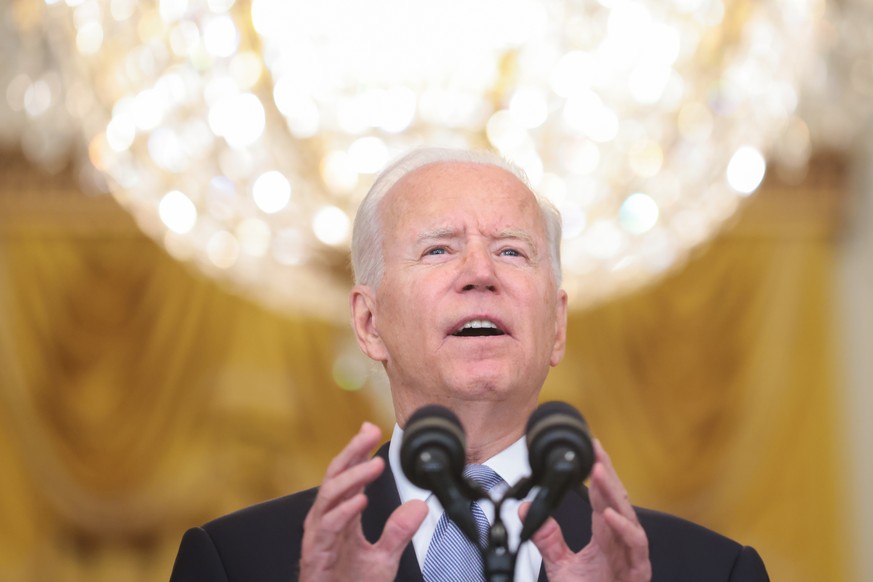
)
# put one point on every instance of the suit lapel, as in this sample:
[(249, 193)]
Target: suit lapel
[(574, 517), (383, 499)]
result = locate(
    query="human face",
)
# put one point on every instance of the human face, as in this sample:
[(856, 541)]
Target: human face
[(462, 243)]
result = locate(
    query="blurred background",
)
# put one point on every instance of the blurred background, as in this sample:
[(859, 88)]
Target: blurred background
[(177, 185)]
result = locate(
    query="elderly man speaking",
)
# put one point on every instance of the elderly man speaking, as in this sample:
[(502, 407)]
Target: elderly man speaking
[(457, 294)]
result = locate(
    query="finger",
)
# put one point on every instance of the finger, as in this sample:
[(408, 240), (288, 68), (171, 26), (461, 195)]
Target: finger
[(630, 533), (336, 485), (631, 537), (342, 487), (549, 539), (607, 489), (357, 451), (401, 526), (325, 537), (326, 528)]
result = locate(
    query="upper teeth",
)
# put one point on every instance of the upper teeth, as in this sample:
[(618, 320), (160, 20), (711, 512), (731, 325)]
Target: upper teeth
[(477, 323)]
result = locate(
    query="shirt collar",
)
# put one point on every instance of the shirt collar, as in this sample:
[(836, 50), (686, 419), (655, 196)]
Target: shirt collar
[(511, 464)]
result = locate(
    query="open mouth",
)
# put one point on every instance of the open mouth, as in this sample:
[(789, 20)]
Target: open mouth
[(479, 328)]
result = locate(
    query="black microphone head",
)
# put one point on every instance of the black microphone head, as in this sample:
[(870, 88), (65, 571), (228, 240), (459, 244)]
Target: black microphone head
[(557, 427), (432, 431)]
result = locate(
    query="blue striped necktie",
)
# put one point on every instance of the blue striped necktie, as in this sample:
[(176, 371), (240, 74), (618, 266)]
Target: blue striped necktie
[(451, 557)]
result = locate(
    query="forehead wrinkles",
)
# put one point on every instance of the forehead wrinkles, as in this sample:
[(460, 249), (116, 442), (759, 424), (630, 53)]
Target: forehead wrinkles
[(431, 202)]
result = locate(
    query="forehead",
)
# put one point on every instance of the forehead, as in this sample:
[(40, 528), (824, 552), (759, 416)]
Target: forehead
[(454, 192)]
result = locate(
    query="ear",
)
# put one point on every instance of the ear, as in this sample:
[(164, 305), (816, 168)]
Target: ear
[(560, 329), (362, 302)]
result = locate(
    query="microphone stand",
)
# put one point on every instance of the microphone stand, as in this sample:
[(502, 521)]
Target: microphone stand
[(497, 557)]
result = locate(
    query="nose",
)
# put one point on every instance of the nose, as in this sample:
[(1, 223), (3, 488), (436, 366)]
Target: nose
[(477, 270)]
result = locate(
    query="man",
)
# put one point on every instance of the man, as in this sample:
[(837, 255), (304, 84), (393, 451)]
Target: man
[(444, 243)]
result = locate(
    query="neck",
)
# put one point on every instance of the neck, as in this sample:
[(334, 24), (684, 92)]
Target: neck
[(483, 442), (490, 426)]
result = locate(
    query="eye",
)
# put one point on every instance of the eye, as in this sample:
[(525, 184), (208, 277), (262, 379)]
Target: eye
[(510, 252), (436, 251)]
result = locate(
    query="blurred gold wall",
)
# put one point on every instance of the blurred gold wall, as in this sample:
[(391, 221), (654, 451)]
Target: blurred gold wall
[(138, 398)]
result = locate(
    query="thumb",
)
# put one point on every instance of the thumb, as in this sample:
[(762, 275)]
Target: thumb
[(401, 526), (549, 539)]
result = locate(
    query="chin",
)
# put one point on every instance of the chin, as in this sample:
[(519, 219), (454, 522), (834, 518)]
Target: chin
[(481, 386)]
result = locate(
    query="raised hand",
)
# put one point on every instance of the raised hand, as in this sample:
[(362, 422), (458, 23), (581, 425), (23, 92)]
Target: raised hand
[(619, 548), (334, 546)]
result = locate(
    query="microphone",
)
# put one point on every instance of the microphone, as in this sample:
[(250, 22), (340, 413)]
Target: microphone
[(561, 457), (432, 456)]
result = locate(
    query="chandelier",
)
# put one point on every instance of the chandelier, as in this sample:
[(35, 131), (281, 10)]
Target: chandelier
[(243, 135)]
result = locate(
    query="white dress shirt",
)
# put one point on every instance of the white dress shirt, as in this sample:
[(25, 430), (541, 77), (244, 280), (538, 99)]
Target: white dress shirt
[(511, 464)]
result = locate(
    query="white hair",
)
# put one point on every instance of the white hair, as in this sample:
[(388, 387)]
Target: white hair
[(367, 237)]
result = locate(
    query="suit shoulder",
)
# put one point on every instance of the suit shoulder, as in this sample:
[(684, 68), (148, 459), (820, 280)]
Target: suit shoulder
[(279, 512), (659, 524), (259, 541), (682, 550)]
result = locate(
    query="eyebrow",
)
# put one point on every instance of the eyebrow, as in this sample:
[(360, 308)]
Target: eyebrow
[(440, 233), (516, 233)]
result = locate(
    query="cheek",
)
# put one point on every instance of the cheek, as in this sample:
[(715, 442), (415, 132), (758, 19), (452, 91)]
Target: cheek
[(402, 312), (549, 319)]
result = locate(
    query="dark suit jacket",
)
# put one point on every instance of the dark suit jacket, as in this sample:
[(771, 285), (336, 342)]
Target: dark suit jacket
[(262, 543)]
